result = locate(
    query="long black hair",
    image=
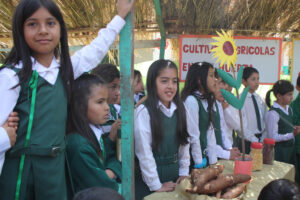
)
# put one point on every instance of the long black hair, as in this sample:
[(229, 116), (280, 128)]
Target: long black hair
[(280, 87), (22, 52), (199, 72), (78, 121), (280, 189), (152, 102)]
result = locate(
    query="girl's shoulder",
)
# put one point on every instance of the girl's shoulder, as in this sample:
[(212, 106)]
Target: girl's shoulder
[(141, 110), (75, 139)]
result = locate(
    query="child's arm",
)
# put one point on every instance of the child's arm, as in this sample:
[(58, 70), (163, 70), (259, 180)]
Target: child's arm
[(184, 160), (143, 149), (91, 55), (211, 146), (8, 138), (231, 116), (192, 117), (272, 118), (10, 95)]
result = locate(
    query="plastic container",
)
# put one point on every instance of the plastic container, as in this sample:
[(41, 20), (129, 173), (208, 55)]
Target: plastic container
[(243, 166), (268, 151), (257, 156)]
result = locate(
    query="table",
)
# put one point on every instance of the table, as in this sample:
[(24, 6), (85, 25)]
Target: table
[(258, 181)]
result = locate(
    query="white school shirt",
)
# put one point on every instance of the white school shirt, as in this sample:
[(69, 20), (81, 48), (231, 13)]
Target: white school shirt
[(191, 105), (249, 118), (232, 119), (82, 61), (272, 119), (98, 132), (226, 132), (143, 149), (4, 146)]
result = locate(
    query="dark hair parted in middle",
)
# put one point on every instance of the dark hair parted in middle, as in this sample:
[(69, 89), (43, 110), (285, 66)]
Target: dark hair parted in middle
[(198, 72), (78, 121), (152, 102)]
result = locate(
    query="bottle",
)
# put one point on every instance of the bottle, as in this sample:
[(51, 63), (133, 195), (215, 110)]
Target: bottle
[(268, 151), (257, 157)]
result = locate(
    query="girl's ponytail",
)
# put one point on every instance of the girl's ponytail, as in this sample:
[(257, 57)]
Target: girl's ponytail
[(268, 98)]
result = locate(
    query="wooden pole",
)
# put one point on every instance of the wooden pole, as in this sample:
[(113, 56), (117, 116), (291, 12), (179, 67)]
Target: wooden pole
[(127, 107)]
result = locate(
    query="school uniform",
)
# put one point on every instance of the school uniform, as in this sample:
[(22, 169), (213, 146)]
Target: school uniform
[(281, 132), (295, 105), (4, 146), (86, 165), (232, 120), (223, 143), (154, 167), (253, 113), (113, 162), (200, 130), (43, 174)]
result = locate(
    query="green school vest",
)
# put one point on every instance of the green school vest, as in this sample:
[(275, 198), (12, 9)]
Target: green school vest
[(283, 127), (295, 105), (285, 150), (166, 158), (204, 124), (217, 130), (45, 160)]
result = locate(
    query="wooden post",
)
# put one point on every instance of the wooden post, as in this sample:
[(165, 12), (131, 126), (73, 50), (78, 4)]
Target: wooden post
[(161, 26), (127, 107)]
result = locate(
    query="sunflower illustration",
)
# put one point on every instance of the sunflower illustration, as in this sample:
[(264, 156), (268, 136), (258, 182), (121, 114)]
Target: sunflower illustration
[(225, 49)]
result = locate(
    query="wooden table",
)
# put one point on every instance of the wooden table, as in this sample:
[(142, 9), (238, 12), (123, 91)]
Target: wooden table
[(258, 181)]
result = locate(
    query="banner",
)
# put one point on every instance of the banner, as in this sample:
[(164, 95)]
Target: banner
[(262, 53), (295, 63)]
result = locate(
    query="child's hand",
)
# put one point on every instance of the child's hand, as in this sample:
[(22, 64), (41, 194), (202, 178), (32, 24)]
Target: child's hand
[(11, 132), (234, 152), (296, 130), (124, 7), (167, 187), (13, 120), (114, 129), (110, 173)]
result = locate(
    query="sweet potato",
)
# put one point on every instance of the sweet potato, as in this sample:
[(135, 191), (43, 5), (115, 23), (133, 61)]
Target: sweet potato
[(202, 176), (234, 191), (222, 182)]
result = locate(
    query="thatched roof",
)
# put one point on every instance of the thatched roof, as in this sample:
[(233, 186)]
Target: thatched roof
[(245, 17)]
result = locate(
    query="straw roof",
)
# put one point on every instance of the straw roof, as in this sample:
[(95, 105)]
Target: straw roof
[(278, 18)]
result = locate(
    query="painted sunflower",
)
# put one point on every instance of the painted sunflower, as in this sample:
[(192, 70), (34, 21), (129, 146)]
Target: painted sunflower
[(225, 49)]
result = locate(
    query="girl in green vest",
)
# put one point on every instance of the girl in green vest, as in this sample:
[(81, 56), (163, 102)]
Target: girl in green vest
[(199, 100), (39, 73), (279, 121), (88, 152), (160, 132), (295, 105)]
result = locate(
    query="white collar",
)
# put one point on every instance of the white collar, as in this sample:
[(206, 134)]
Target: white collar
[(97, 131), (286, 110), (250, 95), (204, 103), (39, 67), (167, 111)]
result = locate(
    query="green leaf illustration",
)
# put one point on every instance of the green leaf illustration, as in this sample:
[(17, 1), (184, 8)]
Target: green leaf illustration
[(234, 101), (229, 80)]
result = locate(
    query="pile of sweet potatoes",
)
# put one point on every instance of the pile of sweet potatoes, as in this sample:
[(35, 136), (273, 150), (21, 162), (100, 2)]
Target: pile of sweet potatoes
[(211, 181)]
